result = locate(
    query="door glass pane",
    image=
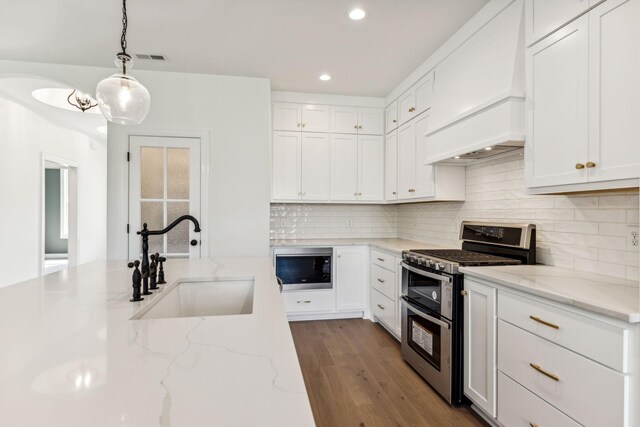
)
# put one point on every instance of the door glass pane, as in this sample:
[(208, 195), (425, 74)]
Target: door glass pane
[(153, 214), (178, 238), (152, 172), (178, 173)]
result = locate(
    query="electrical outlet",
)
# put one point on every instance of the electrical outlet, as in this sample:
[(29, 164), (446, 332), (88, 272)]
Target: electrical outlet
[(632, 240), (349, 222)]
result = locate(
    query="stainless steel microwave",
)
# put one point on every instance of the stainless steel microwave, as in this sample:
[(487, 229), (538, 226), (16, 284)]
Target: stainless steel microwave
[(304, 268)]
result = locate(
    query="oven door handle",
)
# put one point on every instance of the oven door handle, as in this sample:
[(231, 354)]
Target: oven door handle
[(426, 273), (426, 316)]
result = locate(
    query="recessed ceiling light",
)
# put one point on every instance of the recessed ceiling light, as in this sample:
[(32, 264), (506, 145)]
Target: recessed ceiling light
[(456, 157), (357, 14), (325, 77), (489, 148)]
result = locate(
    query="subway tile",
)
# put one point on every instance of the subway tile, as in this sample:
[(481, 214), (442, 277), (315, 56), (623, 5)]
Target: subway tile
[(575, 202), (554, 214), (618, 257), (632, 216), (628, 201), (613, 229), (599, 241), (601, 215)]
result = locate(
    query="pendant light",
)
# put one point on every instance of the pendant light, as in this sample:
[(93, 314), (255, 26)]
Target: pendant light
[(120, 97)]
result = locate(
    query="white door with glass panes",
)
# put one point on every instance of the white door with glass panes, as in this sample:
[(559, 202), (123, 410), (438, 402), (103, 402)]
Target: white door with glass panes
[(164, 184)]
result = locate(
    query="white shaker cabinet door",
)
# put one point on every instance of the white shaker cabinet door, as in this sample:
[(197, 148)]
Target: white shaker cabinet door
[(351, 278), (286, 166), (315, 118), (407, 106), (391, 117), (371, 121), (391, 167), (371, 168), (614, 90), (344, 167), (287, 116), (480, 346), (316, 167), (557, 108), (344, 120), (424, 175), (424, 91), (544, 16), (406, 161)]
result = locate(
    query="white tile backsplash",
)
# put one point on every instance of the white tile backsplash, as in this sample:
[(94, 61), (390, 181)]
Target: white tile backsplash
[(587, 231)]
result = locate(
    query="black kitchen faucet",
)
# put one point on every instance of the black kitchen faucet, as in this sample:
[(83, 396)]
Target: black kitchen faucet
[(145, 273)]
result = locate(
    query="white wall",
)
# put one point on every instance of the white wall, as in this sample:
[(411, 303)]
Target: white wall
[(24, 136), (235, 111)]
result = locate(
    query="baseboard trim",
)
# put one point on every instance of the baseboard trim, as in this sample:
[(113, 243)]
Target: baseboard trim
[(484, 416)]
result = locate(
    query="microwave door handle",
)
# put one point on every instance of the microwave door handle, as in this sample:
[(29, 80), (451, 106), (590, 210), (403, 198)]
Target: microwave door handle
[(426, 316), (437, 277)]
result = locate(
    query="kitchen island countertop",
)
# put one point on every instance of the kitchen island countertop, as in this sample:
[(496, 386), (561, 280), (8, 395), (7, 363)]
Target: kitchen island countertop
[(71, 356)]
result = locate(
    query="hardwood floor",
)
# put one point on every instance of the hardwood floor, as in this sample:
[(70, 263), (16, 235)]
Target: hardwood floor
[(355, 376)]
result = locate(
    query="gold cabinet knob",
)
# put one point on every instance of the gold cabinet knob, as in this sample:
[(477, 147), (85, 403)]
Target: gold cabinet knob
[(359, 127), (298, 124), (463, 293), (412, 109), (381, 306), (395, 121), (355, 127), (579, 166), (394, 193), (412, 190), (304, 124), (590, 165)]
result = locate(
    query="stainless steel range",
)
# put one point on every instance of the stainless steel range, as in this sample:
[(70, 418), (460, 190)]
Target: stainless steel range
[(432, 301)]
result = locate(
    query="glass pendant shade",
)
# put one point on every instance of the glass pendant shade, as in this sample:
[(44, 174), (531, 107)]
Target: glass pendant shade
[(123, 100)]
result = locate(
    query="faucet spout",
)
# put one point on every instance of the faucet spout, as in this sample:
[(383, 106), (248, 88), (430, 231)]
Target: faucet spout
[(170, 226)]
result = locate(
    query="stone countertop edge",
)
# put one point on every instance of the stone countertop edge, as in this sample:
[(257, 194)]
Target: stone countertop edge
[(72, 356), (600, 294)]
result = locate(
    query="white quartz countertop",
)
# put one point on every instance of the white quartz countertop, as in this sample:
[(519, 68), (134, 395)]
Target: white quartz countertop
[(391, 245), (600, 294), (71, 356)]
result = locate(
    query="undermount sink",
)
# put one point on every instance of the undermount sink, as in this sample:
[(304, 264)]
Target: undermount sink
[(200, 298)]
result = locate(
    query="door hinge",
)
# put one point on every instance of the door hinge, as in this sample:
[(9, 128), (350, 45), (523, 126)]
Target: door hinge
[(128, 156), (127, 228)]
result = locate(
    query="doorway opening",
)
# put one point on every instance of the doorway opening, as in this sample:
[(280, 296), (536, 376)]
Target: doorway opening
[(59, 215)]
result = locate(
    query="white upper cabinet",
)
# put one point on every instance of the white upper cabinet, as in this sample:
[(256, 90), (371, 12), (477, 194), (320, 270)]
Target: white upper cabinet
[(391, 167), (391, 117), (582, 102), (301, 166), (416, 100), (354, 120), (406, 161), (300, 117), (357, 171), (286, 166), (557, 107), (544, 16), (614, 90), (287, 116), (315, 167), (371, 168)]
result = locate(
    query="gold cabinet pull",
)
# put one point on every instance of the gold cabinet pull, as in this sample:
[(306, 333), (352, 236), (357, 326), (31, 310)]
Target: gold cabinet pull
[(380, 280), (412, 109), (579, 166), (544, 322), (543, 372), (304, 302), (394, 121), (590, 165), (381, 259), (533, 425), (412, 190), (394, 193), (381, 306)]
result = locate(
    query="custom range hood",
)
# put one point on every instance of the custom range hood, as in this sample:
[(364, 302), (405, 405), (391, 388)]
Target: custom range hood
[(478, 107)]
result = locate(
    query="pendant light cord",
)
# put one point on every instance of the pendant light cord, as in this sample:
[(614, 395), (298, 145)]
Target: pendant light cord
[(123, 39)]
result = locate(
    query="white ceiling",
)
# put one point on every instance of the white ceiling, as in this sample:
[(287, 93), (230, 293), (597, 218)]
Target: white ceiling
[(291, 42)]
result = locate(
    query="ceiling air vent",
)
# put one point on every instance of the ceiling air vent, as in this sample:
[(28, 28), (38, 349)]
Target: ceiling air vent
[(146, 56)]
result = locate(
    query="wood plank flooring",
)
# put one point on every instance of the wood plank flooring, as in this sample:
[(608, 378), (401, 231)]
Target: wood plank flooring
[(355, 376)]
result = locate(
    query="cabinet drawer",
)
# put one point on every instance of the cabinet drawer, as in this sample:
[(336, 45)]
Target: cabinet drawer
[(383, 260), (383, 309), (592, 338), (521, 408), (384, 281), (295, 302), (588, 392)]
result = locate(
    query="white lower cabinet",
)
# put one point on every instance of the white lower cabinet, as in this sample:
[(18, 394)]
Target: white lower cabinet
[(385, 276), (480, 345), (533, 362), (306, 301), (351, 277)]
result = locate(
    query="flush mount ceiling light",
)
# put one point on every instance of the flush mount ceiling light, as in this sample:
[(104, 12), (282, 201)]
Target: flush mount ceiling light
[(357, 14), (120, 97), (325, 77)]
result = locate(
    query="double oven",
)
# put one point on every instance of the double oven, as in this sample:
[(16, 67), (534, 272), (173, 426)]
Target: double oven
[(432, 328)]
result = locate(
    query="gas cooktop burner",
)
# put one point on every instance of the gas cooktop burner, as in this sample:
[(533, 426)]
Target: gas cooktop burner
[(467, 258)]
